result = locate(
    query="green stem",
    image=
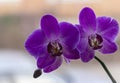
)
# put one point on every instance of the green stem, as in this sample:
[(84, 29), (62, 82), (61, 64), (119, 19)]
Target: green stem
[(106, 69)]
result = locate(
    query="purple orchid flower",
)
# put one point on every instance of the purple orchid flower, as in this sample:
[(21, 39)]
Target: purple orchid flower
[(52, 42), (96, 34)]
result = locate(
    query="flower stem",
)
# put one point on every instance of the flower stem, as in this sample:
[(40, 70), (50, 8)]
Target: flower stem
[(106, 69)]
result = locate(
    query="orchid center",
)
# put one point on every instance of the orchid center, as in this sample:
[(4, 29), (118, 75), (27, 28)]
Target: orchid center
[(54, 48), (95, 41)]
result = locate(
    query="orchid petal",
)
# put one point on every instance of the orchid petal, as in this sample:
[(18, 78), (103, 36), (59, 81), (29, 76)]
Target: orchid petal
[(53, 66), (49, 25), (108, 47), (69, 35), (107, 27), (35, 43), (87, 55), (87, 20)]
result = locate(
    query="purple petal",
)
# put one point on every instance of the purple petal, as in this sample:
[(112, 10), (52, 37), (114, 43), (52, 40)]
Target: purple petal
[(106, 26), (45, 61), (87, 55), (71, 54), (53, 66), (87, 20), (83, 39), (82, 44), (69, 35), (35, 43), (108, 47), (82, 33), (49, 25)]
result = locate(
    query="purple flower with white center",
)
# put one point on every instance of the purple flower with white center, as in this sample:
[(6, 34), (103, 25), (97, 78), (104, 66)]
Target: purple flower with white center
[(53, 42), (96, 34)]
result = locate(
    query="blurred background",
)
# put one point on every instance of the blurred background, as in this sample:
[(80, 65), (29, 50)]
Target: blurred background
[(18, 18)]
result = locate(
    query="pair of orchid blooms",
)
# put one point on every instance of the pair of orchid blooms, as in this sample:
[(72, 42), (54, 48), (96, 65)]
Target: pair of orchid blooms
[(55, 41)]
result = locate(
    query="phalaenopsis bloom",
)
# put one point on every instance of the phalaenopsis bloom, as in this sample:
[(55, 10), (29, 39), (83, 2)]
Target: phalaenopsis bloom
[(96, 33), (53, 42)]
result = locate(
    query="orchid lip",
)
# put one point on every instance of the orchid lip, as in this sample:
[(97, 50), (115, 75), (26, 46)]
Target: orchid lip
[(54, 48), (95, 41)]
